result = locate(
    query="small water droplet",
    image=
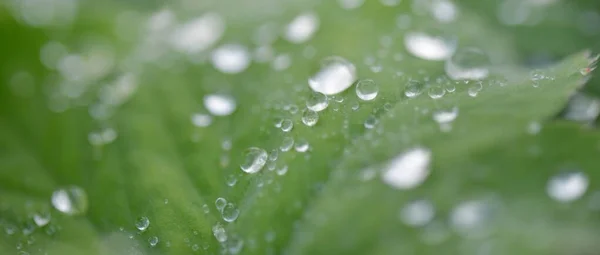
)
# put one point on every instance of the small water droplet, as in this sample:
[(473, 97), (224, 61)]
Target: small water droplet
[(220, 104), (302, 28), (534, 128), (287, 125), (219, 232), (286, 144), (142, 223), (350, 4), (273, 155), (254, 160), (413, 89), (231, 58), (310, 117), (417, 213), (468, 64), (474, 89), (335, 75), (469, 216), (567, 186), (231, 180), (41, 218), (408, 170), (317, 102), (445, 116), (201, 120), (153, 241), (230, 212), (434, 45), (436, 92), (220, 203), (371, 121), (367, 89), (71, 200), (205, 208), (301, 145), (283, 170)]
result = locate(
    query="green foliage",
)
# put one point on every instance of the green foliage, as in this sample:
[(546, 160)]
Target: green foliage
[(331, 200)]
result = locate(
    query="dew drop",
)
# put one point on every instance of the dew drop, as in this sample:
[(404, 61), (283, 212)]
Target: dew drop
[(153, 241), (231, 180), (444, 11), (445, 116), (283, 170), (370, 122), (301, 145), (71, 200), (430, 46), (201, 120), (230, 212), (220, 104), (417, 213), (567, 186), (220, 203), (436, 92), (310, 117), (254, 160), (142, 223), (41, 218), (408, 170), (302, 28), (286, 144), (198, 34), (474, 89), (413, 89), (231, 58), (205, 208), (335, 75), (367, 90), (468, 216), (219, 232), (317, 102), (468, 64), (287, 125)]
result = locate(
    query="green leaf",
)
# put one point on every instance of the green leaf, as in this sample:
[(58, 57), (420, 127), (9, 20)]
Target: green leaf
[(331, 199)]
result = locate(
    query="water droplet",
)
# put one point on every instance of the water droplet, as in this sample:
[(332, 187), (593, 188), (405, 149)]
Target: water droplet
[(205, 208), (417, 213), (317, 102), (310, 117), (436, 92), (281, 62), (468, 216), (219, 232), (142, 223), (287, 125), (231, 180), (234, 245), (408, 170), (583, 108), (198, 34), (336, 75), (254, 160), (220, 203), (286, 144), (413, 89), (468, 64), (430, 46), (444, 11), (302, 28), (567, 186), (283, 170), (445, 116), (370, 122), (201, 120), (230, 212), (350, 4), (71, 200), (273, 155), (534, 127), (474, 89), (301, 145), (231, 58), (153, 241), (367, 89), (219, 104), (41, 218)]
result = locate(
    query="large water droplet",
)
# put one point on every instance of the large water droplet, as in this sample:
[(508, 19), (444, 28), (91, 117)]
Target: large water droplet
[(286, 144), (219, 104), (254, 160), (302, 28), (142, 223), (468, 64), (301, 145), (310, 118), (430, 46), (568, 186), (287, 125), (220, 203), (317, 102), (408, 170), (417, 213), (230, 212), (367, 89), (153, 241), (231, 58), (336, 75), (71, 200)]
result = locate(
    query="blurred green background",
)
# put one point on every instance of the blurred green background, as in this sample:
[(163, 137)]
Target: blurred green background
[(108, 108)]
